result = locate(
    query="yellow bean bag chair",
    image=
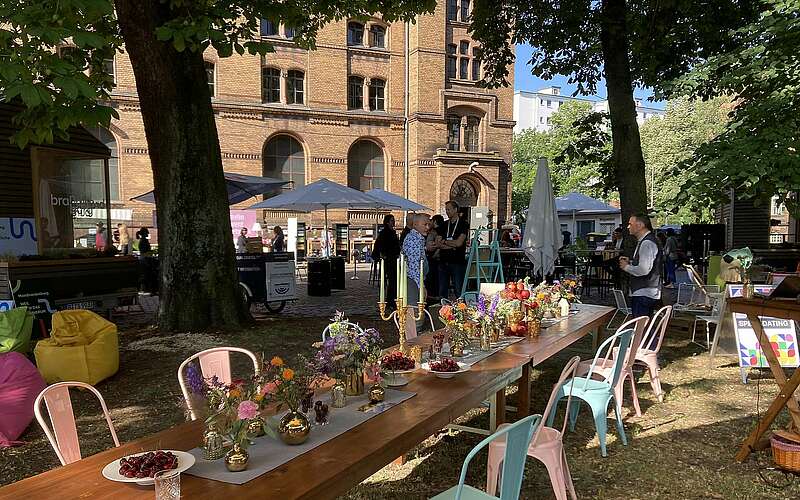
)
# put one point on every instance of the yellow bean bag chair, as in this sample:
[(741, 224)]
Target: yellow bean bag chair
[(83, 346)]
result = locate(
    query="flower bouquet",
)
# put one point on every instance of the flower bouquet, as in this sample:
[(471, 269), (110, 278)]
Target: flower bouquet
[(347, 353), (289, 387), (458, 323), (485, 314)]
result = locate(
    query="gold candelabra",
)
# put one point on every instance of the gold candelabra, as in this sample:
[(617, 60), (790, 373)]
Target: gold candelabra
[(402, 316)]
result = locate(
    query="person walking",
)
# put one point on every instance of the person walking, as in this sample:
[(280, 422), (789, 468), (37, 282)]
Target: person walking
[(452, 247), (277, 239), (414, 251), (241, 241), (644, 267), (432, 254), (671, 255), (387, 248)]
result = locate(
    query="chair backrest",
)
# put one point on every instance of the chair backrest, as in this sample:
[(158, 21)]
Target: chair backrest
[(64, 436), (685, 293), (327, 331), (638, 325), (621, 340), (213, 362), (619, 297), (694, 275), (570, 371), (518, 437), (654, 335), (704, 294)]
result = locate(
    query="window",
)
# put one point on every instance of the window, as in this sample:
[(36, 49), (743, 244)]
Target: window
[(268, 28), (284, 159), (211, 77), (549, 103), (355, 33), (584, 227), (453, 133), (463, 68), (108, 68), (464, 10), (365, 166), (476, 64), (464, 193), (376, 95), (289, 32), (541, 102), (463, 48), (451, 61), (377, 36), (106, 137), (294, 87), (471, 133), (452, 10), (270, 85), (355, 92), (541, 119)]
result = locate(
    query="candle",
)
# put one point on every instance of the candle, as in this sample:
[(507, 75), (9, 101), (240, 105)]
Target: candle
[(397, 289), (403, 277), (383, 285), (422, 280)]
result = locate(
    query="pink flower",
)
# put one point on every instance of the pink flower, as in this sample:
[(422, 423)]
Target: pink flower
[(269, 388), (247, 410)]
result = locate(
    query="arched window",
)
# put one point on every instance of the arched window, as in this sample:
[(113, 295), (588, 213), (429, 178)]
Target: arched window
[(284, 159), (365, 166), (471, 133), (211, 77), (294, 87), (87, 183), (377, 36), (355, 33), (464, 193), (377, 91), (270, 85), (355, 92)]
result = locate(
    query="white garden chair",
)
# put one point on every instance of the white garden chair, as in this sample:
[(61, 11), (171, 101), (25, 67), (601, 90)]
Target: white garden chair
[(714, 318), (622, 307)]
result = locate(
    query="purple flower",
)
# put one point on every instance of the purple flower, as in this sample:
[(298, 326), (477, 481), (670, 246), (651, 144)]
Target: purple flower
[(493, 307), (482, 304), (195, 380)]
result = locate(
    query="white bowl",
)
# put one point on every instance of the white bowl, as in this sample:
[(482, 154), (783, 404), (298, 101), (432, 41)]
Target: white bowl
[(462, 367), (395, 378), (111, 471)]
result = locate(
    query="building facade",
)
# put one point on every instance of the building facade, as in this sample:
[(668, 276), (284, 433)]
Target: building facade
[(339, 112), (532, 110)]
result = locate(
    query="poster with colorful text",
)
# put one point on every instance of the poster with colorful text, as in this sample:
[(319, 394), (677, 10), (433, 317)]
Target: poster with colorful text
[(781, 333)]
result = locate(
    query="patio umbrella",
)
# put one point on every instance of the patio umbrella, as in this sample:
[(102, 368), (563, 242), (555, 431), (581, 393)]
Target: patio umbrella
[(321, 195), (542, 237), (396, 200), (240, 187)]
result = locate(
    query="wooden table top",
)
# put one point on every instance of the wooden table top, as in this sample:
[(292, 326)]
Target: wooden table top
[(776, 308), (340, 463)]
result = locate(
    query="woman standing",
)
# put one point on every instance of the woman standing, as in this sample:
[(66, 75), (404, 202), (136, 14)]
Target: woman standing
[(124, 239), (432, 254), (277, 239), (387, 248)]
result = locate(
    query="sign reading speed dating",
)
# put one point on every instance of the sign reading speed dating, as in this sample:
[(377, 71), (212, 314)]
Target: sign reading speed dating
[(780, 332)]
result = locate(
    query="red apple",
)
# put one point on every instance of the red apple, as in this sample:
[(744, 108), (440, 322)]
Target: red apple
[(524, 294)]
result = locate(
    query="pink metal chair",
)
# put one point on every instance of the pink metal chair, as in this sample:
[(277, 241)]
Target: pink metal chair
[(59, 407), (213, 362), (647, 353), (605, 364), (546, 445)]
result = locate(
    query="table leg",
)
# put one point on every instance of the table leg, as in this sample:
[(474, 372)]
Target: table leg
[(524, 392), (595, 339)]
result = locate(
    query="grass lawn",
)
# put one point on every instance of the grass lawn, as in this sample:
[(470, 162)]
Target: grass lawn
[(682, 448)]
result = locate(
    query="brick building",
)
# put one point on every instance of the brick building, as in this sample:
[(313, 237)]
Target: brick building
[(339, 112)]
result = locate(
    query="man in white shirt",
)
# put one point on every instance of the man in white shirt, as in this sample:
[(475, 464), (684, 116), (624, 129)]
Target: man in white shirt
[(644, 267)]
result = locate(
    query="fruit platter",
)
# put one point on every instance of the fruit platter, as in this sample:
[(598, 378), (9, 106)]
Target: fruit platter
[(445, 368), (394, 366), (141, 467)]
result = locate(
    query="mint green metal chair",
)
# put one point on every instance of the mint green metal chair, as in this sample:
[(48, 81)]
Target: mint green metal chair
[(518, 436), (599, 393)]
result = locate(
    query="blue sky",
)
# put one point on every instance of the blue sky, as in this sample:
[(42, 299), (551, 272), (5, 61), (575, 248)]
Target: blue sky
[(523, 80)]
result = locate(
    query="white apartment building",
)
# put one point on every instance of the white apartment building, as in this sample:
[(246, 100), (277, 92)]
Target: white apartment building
[(532, 110)]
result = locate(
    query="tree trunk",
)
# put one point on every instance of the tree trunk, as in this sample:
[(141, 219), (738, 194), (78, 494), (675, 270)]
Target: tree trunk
[(627, 147), (199, 285)]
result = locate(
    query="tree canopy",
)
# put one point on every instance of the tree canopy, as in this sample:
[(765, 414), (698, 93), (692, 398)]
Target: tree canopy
[(757, 154)]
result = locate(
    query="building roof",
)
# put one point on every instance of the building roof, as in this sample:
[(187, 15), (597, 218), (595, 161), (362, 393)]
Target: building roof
[(580, 203)]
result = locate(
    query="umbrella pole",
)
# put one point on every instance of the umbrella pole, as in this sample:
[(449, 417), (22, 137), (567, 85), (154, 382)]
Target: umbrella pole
[(326, 240)]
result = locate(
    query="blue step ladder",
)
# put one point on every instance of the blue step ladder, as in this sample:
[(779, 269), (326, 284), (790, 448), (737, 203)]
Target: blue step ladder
[(484, 264)]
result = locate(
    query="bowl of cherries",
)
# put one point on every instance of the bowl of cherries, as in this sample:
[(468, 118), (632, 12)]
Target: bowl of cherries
[(446, 367), (142, 467), (394, 366)]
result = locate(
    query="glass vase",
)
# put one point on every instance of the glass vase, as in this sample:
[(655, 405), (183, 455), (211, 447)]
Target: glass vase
[(338, 395), (354, 382)]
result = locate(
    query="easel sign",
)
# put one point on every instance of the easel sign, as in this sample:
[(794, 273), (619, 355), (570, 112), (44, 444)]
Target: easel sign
[(781, 333)]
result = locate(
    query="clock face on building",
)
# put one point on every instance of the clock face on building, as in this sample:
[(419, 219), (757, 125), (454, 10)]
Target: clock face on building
[(464, 193)]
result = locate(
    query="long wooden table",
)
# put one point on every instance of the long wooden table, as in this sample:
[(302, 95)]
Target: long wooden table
[(341, 463)]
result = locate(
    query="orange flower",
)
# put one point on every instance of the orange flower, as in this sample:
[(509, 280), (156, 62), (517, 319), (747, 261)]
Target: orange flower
[(462, 306), (288, 374), (234, 393), (276, 361), (258, 397), (446, 310)]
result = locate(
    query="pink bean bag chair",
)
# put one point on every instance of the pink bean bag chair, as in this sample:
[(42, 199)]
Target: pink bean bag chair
[(20, 383)]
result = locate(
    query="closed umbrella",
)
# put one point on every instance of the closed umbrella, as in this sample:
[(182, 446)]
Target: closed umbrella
[(240, 188), (542, 237)]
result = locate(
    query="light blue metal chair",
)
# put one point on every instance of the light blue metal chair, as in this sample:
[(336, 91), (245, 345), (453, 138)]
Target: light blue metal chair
[(518, 436), (598, 393)]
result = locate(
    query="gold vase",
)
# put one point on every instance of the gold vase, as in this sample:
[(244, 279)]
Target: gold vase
[(534, 327), (377, 393), (485, 340), (213, 448), (294, 428), (236, 459), (354, 382), (457, 350), (255, 428)]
